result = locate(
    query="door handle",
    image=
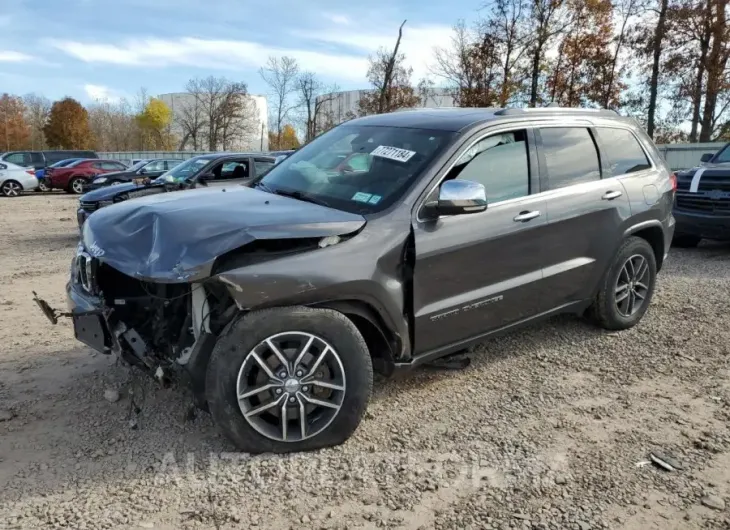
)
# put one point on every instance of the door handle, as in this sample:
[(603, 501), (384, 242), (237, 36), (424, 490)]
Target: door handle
[(611, 195), (526, 216)]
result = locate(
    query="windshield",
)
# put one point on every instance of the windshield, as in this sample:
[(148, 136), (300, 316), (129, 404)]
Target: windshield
[(138, 165), (185, 170), (355, 168)]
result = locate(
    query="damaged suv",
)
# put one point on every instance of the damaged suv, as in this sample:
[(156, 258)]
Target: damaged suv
[(275, 300)]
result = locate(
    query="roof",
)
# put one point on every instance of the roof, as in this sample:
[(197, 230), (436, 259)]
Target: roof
[(457, 118), (213, 156)]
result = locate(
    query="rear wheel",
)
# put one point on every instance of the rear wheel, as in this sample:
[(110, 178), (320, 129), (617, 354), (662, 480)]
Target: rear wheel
[(42, 186), (11, 188), (627, 286), (289, 379), (685, 241), (76, 185)]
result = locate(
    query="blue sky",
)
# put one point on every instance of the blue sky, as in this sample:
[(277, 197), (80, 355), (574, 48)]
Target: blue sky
[(91, 49)]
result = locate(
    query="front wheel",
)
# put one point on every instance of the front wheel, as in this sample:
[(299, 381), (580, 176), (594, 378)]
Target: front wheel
[(42, 186), (289, 379), (627, 286)]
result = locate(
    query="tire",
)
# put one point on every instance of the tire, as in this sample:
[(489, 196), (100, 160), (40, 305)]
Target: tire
[(76, 185), (232, 354), (11, 188), (606, 311), (42, 186), (685, 241)]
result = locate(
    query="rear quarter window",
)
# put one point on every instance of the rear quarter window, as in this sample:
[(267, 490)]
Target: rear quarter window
[(623, 150)]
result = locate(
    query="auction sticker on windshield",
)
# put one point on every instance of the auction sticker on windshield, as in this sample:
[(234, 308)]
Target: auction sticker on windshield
[(393, 153)]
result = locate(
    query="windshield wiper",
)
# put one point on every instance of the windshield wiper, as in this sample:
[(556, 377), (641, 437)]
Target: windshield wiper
[(299, 195)]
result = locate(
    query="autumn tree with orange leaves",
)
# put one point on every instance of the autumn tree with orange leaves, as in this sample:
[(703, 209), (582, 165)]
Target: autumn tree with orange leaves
[(14, 130), (68, 126)]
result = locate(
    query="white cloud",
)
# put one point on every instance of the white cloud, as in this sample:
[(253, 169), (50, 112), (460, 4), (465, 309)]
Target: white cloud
[(225, 54), (336, 18), (417, 44), (101, 93), (14, 57)]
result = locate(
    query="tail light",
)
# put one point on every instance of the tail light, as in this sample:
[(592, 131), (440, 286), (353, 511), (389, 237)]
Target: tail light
[(673, 180), (30, 172)]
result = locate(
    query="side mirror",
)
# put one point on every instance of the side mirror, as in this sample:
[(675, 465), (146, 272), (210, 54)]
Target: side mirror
[(706, 157), (457, 197), (207, 176)]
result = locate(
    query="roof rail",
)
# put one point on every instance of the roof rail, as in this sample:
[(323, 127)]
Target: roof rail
[(554, 110)]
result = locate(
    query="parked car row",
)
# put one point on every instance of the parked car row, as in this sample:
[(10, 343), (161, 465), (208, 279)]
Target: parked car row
[(388, 242)]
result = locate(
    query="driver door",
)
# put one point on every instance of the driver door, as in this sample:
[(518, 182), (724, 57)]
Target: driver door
[(479, 272), (235, 171)]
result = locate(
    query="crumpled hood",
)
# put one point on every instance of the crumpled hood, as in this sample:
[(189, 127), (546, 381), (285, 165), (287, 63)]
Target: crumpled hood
[(176, 236)]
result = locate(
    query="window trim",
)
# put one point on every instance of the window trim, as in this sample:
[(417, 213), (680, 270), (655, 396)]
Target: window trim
[(533, 180), (652, 164), (545, 174)]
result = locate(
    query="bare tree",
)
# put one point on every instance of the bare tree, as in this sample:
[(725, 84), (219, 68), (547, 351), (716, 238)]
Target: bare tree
[(548, 18), (220, 112), (391, 81), (113, 126), (190, 120), (508, 24), (281, 74), (37, 109), (314, 99)]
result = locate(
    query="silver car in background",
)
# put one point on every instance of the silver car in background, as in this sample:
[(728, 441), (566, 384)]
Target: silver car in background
[(15, 179)]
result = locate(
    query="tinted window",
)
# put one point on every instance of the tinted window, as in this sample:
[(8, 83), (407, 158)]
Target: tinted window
[(571, 156), (37, 158), (723, 156), (500, 163), (157, 165), (262, 165), (21, 159), (623, 151), (113, 166), (169, 164), (231, 170)]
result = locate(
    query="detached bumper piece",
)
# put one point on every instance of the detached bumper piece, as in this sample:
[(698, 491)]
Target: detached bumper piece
[(92, 330)]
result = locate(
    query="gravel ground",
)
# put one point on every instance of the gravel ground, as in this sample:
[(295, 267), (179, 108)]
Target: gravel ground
[(548, 428)]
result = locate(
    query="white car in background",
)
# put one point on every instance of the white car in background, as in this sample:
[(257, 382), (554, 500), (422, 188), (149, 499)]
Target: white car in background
[(15, 179)]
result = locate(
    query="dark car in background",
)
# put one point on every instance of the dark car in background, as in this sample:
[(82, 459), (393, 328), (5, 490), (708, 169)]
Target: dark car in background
[(212, 169), (73, 177), (43, 159), (152, 168), (275, 301), (702, 203)]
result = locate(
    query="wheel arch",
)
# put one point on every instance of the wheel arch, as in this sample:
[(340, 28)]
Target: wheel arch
[(653, 233), (5, 181), (381, 342)]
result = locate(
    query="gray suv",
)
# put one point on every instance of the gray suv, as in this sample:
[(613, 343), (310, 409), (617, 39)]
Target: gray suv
[(275, 300)]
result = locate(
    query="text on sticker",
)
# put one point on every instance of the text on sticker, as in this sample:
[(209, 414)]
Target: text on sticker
[(393, 153)]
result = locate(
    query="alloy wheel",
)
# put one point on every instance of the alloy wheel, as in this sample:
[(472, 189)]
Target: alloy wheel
[(291, 386), (632, 285), (11, 189), (43, 186), (78, 186)]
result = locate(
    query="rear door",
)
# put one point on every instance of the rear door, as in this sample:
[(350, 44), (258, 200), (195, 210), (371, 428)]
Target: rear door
[(478, 272), (586, 211)]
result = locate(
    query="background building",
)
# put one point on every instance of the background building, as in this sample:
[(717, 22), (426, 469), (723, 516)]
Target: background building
[(336, 106), (247, 132)]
